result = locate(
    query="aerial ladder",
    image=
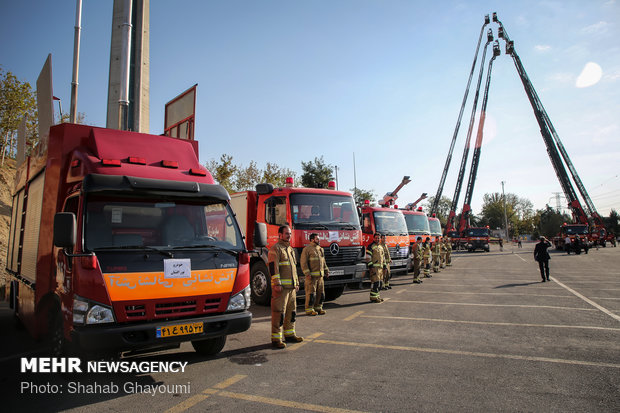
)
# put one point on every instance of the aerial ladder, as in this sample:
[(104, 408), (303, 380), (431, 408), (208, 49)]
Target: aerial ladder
[(391, 197), (411, 206), (459, 182), (464, 220), (551, 139), (442, 181)]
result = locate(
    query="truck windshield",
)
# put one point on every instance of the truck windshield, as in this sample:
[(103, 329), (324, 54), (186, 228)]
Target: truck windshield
[(324, 211), (478, 232), (417, 224), (575, 229), (435, 226), (390, 223), (113, 223)]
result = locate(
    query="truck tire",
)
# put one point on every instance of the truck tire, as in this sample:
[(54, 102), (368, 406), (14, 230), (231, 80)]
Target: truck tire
[(260, 282), (56, 336), (210, 346), (331, 293)]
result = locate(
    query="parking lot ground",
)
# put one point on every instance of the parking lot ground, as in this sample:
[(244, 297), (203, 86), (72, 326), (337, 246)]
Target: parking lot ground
[(482, 335)]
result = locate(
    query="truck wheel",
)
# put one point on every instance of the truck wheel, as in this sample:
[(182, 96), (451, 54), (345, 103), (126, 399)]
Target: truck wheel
[(56, 335), (260, 282), (331, 293), (210, 346)]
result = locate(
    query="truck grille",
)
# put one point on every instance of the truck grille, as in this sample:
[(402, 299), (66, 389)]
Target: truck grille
[(345, 256), (395, 253), (170, 308)]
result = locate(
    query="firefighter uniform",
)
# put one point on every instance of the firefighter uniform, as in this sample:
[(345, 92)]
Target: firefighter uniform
[(283, 268), (448, 252), (314, 268), (416, 251), (426, 258), (442, 252), (376, 266), (436, 255), (386, 271)]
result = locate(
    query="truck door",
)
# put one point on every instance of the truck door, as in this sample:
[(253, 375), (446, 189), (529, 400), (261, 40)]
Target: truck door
[(275, 216), (64, 264)]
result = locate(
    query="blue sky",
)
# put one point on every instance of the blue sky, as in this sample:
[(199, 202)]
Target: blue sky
[(287, 81)]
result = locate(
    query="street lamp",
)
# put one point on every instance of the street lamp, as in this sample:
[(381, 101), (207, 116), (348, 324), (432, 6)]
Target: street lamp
[(505, 216)]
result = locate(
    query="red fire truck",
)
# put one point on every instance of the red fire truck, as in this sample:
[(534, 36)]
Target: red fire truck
[(329, 213), (477, 238), (145, 252), (417, 226), (571, 231), (391, 223), (435, 227)]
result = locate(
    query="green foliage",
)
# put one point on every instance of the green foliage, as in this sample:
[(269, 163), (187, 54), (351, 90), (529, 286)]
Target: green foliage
[(17, 100), (519, 213), (548, 221), (316, 174), (360, 195), (613, 222), (443, 208), (237, 178)]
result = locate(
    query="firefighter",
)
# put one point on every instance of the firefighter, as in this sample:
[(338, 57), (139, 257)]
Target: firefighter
[(426, 257), (284, 287), (442, 253), (436, 254), (315, 270), (416, 251), (448, 252), (388, 260), (376, 266)]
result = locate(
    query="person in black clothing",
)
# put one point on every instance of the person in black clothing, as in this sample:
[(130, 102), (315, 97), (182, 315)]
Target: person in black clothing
[(542, 256)]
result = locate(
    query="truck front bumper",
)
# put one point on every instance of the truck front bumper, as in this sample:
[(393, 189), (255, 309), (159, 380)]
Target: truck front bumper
[(144, 335)]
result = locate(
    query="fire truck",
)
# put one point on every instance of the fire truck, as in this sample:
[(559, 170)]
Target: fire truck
[(417, 226), (329, 213), (477, 238), (435, 227), (571, 231), (391, 223), (121, 241)]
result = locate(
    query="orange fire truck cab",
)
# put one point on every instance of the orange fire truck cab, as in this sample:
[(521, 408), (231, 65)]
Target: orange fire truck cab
[(329, 213), (391, 223), (145, 253)]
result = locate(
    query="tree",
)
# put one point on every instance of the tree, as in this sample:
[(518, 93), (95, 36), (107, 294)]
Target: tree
[(549, 221), (277, 175), (17, 100), (519, 213), (360, 195), (612, 222), (443, 208), (80, 117), (223, 171), (247, 178), (316, 174)]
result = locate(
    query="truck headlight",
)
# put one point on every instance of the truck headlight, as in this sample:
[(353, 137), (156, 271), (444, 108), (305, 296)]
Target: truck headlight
[(240, 301), (87, 312), (99, 314)]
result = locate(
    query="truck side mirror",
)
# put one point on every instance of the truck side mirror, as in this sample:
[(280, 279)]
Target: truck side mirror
[(64, 229), (260, 234)]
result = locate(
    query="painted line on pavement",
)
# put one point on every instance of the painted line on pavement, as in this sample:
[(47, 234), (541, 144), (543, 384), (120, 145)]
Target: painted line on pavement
[(497, 305), (284, 403), (472, 353), (352, 316), (194, 400), (509, 294), (587, 300), (520, 257), (439, 320)]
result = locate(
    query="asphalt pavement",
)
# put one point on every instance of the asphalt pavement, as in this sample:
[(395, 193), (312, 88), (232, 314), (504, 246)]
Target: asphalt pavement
[(482, 335)]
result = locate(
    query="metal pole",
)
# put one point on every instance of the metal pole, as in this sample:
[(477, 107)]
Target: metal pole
[(354, 176), (336, 177), (123, 100), (76, 61), (505, 216)]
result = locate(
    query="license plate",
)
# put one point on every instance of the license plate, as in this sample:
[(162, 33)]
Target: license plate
[(398, 263), (179, 330), (336, 272)]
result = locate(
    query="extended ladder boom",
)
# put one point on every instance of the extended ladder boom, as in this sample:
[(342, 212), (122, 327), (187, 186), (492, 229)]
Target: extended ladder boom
[(390, 197), (442, 181), (545, 129)]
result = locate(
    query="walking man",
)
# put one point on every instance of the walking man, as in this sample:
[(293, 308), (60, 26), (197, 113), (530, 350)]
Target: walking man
[(284, 287), (315, 269), (542, 256)]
